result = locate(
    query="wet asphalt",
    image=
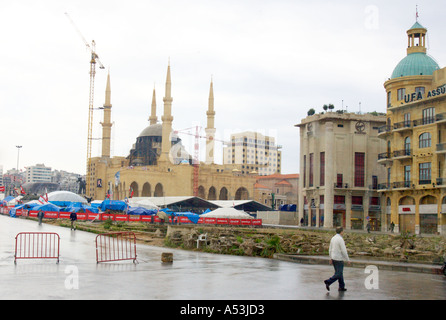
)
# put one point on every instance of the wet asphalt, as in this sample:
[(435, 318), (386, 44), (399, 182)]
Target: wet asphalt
[(192, 276)]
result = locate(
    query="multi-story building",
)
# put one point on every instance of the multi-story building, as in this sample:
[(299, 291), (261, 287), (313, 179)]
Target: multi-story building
[(339, 175), (415, 138), (277, 189), (255, 152), (38, 173)]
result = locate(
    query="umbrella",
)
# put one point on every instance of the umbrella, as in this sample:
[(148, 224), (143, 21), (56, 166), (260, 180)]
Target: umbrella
[(163, 215)]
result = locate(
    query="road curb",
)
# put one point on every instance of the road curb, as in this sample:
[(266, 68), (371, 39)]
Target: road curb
[(357, 263)]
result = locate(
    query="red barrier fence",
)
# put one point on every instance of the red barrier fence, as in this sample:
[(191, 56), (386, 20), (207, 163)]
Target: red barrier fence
[(135, 218), (37, 245), (115, 246)]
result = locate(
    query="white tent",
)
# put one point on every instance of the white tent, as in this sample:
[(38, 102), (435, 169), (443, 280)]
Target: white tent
[(142, 202), (230, 213), (65, 196)]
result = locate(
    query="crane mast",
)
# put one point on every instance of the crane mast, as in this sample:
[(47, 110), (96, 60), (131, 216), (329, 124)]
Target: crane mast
[(93, 60)]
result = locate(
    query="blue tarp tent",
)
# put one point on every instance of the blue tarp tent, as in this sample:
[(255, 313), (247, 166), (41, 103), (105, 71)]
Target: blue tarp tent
[(47, 207), (141, 211), (113, 205), (193, 217), (76, 207), (26, 206), (5, 201)]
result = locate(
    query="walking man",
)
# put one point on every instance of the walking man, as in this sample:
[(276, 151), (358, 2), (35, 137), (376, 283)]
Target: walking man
[(73, 218), (338, 254)]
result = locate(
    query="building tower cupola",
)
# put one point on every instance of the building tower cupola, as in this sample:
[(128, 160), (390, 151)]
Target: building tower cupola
[(416, 39)]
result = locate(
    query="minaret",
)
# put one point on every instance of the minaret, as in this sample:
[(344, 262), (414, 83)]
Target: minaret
[(153, 118), (167, 120), (106, 125), (210, 129)]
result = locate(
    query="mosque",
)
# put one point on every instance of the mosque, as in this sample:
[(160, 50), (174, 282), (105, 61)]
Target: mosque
[(158, 164)]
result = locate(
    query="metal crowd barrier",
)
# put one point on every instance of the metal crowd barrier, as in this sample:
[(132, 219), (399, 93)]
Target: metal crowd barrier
[(37, 245), (115, 246)]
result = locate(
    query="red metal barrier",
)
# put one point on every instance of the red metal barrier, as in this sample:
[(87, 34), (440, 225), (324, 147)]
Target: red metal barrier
[(37, 245), (115, 246)]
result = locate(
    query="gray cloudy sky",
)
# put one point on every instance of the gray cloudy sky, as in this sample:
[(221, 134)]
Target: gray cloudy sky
[(270, 61)]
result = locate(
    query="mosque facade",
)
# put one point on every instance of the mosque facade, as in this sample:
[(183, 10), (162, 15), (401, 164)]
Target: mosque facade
[(158, 164)]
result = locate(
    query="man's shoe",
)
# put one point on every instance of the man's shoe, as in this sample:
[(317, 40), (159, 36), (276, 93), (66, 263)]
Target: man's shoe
[(342, 289), (327, 285)]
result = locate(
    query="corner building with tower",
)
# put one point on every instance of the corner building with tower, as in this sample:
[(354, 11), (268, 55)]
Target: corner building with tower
[(414, 191)]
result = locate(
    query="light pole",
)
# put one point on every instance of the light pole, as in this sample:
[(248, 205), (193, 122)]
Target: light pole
[(18, 152)]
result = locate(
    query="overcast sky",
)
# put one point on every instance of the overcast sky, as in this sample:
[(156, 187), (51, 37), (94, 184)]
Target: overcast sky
[(270, 61)]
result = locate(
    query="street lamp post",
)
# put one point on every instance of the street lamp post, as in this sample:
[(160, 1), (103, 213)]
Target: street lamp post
[(18, 152)]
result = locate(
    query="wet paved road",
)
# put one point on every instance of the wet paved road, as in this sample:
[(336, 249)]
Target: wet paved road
[(191, 276)]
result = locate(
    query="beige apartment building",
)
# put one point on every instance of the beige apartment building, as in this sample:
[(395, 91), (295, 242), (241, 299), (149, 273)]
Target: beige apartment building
[(339, 174), (255, 153), (415, 139)]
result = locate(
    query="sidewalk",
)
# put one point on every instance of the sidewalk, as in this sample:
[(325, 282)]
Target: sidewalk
[(362, 263)]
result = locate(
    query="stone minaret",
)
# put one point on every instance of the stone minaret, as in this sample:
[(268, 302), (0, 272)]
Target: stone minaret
[(106, 125), (153, 119), (166, 120), (210, 129)]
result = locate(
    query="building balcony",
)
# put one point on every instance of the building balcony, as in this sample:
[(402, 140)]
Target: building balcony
[(402, 184), (424, 121), (384, 157), (402, 154), (384, 186), (384, 130), (441, 148), (401, 126)]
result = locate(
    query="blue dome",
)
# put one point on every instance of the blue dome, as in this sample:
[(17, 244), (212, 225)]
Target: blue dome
[(415, 64)]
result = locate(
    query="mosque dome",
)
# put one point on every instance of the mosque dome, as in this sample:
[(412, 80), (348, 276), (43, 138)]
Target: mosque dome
[(153, 130), (415, 64)]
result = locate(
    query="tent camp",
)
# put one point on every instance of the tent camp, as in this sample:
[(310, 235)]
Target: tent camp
[(229, 213)]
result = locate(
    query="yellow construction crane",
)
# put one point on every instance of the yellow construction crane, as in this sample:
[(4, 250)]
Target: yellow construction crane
[(93, 60)]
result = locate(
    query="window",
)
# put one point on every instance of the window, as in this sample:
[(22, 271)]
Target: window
[(389, 97), (359, 169), (428, 115), (339, 180), (339, 199), (310, 182), (419, 89), (401, 93), (425, 173), (407, 119), (407, 146), (357, 200), (374, 201), (407, 179), (374, 182), (305, 171), (322, 169), (425, 140)]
